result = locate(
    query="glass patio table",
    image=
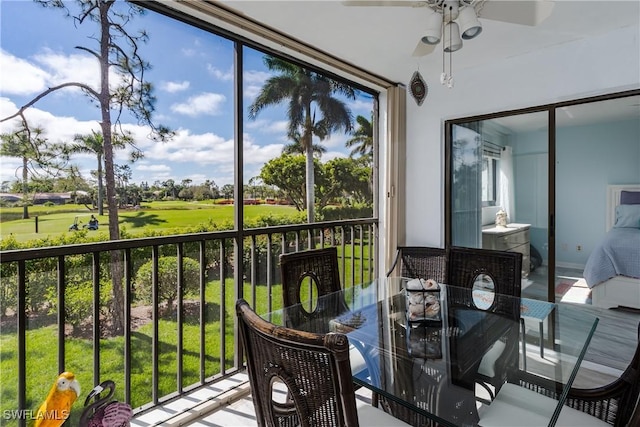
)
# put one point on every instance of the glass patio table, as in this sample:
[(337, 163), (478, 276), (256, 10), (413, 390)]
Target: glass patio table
[(428, 365)]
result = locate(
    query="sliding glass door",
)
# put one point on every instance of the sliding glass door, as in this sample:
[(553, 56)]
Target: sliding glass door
[(547, 169), (499, 188)]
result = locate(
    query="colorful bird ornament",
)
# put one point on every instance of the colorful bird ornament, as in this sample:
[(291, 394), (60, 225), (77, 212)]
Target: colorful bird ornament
[(56, 408)]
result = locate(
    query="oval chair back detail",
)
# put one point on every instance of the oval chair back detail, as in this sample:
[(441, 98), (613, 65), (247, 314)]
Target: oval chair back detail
[(307, 275)]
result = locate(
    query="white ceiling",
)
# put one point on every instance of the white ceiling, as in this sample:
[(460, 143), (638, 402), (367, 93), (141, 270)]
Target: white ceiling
[(382, 39)]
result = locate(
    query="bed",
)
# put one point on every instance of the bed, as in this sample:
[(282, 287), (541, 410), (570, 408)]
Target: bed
[(612, 270)]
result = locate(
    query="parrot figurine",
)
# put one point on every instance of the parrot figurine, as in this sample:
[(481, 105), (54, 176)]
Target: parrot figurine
[(56, 408)]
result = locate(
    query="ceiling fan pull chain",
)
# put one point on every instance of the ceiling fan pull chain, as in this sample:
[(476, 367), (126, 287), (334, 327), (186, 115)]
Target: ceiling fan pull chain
[(443, 76), (450, 80)]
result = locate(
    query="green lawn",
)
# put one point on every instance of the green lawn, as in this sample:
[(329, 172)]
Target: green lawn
[(42, 354), (158, 216), (42, 340)]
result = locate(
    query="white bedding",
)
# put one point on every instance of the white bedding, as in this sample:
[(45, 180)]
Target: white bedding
[(618, 254), (619, 290)]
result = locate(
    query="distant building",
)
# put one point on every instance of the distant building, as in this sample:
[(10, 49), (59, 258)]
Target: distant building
[(42, 198)]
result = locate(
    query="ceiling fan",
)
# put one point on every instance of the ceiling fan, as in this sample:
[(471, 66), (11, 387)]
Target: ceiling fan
[(452, 21)]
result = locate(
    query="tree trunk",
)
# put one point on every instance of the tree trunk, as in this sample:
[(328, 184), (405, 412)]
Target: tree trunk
[(112, 202), (25, 189), (310, 184), (100, 189)]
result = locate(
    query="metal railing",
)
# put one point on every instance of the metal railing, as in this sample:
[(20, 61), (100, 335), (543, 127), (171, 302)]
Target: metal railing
[(170, 329)]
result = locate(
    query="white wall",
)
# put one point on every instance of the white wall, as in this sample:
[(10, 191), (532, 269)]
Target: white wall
[(604, 64)]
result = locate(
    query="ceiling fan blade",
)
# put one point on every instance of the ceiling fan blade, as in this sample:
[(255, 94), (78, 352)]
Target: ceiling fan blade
[(400, 3), (523, 12), (423, 49)]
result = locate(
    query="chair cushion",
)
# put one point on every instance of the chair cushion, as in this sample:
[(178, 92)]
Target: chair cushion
[(518, 406), (488, 362), (371, 416)]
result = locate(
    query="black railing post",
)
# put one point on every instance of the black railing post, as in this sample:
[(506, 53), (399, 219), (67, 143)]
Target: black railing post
[(155, 354), (203, 313), (179, 316), (96, 318), (61, 313), (127, 324), (22, 340)]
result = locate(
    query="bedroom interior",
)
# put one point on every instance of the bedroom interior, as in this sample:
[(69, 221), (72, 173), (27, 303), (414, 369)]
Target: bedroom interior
[(596, 154)]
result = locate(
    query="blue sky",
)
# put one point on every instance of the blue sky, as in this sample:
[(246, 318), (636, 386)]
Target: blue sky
[(192, 73)]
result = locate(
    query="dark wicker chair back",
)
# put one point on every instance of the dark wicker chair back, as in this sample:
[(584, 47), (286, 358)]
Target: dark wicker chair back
[(504, 269), (314, 369), (420, 262), (318, 270)]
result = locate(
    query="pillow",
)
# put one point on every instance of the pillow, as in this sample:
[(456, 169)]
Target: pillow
[(627, 216), (630, 197)]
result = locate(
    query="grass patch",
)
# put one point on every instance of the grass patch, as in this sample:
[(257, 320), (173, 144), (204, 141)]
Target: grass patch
[(42, 364), (157, 216)]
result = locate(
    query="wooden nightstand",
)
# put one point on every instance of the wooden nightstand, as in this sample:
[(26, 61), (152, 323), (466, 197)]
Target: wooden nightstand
[(513, 238)]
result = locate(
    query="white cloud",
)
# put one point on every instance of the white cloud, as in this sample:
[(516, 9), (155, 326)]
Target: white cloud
[(152, 168), (20, 77), (203, 104), (336, 140), (188, 52), (255, 77), (47, 69), (253, 83), (173, 87), (330, 155), (219, 74), (10, 169), (267, 126), (70, 68), (57, 128), (362, 107)]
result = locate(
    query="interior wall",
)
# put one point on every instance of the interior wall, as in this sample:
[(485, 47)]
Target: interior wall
[(588, 159), (564, 72)]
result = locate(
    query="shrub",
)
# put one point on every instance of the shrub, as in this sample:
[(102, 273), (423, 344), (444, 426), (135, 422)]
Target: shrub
[(78, 301), (167, 279)]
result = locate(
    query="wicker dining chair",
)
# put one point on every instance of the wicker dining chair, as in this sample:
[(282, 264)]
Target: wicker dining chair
[(504, 268), (314, 268), (420, 262), (616, 403), (314, 370), (466, 267), (425, 263), (319, 268)]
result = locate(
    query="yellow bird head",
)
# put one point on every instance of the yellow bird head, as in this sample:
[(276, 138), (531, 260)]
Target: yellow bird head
[(56, 408)]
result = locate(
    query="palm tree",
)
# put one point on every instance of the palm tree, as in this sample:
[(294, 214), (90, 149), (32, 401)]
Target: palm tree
[(94, 144), (296, 147), (312, 109), (362, 141), (18, 145), (36, 154)]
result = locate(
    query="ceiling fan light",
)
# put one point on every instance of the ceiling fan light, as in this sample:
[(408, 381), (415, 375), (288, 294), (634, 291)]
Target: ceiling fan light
[(433, 32), (470, 26), (452, 40), (450, 10)]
